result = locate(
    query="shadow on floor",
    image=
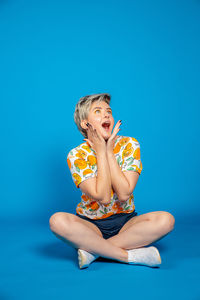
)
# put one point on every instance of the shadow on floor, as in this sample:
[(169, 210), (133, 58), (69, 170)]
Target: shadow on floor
[(56, 250)]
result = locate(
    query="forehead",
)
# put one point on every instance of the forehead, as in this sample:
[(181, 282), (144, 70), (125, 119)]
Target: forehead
[(101, 104)]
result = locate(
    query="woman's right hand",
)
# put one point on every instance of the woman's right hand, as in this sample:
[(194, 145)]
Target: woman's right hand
[(95, 140)]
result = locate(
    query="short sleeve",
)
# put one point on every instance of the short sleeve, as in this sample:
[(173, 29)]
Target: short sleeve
[(131, 160), (81, 165)]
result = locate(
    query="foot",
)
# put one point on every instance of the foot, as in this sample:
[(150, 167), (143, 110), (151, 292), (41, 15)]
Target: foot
[(85, 258), (148, 256)]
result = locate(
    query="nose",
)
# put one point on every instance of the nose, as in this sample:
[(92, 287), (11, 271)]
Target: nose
[(106, 114)]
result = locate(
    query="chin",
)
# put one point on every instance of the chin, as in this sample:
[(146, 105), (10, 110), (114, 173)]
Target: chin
[(106, 136)]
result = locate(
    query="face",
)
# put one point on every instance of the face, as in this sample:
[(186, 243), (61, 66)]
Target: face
[(100, 116)]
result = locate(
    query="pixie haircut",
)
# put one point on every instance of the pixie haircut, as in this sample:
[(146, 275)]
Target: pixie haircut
[(83, 107)]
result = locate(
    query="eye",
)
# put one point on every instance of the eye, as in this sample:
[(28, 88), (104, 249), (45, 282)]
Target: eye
[(110, 112), (97, 110)]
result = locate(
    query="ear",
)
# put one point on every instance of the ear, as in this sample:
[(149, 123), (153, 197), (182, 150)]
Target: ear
[(83, 124)]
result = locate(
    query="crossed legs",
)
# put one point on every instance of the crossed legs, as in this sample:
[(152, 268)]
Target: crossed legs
[(143, 230), (139, 231)]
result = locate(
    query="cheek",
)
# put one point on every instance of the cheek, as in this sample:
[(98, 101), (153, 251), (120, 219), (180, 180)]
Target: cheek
[(98, 119), (95, 123)]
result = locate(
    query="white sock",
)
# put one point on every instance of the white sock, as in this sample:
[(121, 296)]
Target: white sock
[(85, 258), (148, 256)]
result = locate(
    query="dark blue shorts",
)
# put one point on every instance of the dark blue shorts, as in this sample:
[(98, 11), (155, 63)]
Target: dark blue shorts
[(111, 225)]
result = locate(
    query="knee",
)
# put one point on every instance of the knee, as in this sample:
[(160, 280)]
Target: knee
[(60, 219), (166, 221)]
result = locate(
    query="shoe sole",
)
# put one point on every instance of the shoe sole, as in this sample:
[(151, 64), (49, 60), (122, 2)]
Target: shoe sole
[(159, 257), (152, 251), (82, 260)]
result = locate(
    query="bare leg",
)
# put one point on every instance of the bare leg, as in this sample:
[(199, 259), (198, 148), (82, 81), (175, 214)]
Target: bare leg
[(82, 234), (143, 230)]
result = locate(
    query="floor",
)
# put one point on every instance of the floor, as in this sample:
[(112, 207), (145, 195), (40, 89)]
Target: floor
[(37, 265)]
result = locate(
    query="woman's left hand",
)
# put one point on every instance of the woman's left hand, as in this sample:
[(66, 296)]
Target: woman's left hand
[(111, 141)]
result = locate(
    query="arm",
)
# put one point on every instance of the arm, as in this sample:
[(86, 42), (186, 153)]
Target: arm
[(103, 180), (98, 188), (123, 182)]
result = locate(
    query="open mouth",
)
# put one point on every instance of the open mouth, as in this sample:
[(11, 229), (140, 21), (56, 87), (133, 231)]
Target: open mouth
[(106, 125)]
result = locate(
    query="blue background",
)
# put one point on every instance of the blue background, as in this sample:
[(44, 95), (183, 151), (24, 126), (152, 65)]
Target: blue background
[(144, 53)]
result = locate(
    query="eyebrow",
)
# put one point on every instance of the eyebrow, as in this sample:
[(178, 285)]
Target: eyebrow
[(101, 108)]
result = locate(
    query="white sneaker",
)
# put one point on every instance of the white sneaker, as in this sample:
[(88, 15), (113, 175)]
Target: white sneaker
[(85, 258), (148, 256)]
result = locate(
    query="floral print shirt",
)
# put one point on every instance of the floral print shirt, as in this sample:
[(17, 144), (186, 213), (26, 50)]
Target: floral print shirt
[(82, 163)]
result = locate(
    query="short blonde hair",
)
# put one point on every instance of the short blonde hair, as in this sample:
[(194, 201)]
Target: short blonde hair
[(83, 107)]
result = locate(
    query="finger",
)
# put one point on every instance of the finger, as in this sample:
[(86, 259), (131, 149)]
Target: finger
[(90, 134), (89, 142), (91, 129), (97, 133), (90, 125), (114, 134), (116, 129), (117, 125)]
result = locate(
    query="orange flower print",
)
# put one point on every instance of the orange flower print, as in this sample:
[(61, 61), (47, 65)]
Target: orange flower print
[(69, 163), (81, 154), (107, 215), (130, 199), (80, 210), (137, 169), (85, 197), (94, 205), (112, 193), (127, 151), (77, 178), (80, 163), (137, 153), (128, 146), (87, 206), (87, 171), (91, 160), (116, 149), (120, 144), (116, 207), (106, 205), (133, 139), (86, 148)]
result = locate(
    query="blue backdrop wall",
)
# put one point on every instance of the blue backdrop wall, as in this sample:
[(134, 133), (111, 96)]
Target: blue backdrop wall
[(144, 53)]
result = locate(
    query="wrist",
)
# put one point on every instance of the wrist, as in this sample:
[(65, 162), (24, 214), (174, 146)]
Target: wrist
[(101, 152), (109, 152)]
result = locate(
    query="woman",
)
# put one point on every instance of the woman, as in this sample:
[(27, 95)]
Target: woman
[(106, 168)]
